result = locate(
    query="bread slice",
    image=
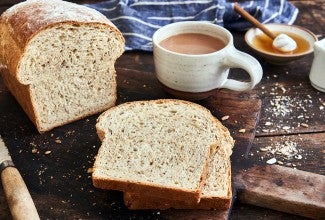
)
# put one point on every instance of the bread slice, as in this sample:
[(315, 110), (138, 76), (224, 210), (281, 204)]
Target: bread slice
[(159, 148), (57, 59), (216, 192)]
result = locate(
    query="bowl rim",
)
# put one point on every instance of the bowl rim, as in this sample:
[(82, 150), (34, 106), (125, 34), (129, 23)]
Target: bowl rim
[(284, 55)]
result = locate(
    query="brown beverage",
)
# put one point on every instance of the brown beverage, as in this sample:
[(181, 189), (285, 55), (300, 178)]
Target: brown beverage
[(192, 43)]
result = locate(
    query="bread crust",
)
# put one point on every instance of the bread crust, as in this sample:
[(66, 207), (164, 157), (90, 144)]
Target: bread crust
[(21, 93), (148, 189), (140, 201)]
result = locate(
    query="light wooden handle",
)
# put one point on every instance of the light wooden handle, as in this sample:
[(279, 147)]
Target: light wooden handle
[(19, 200), (253, 21)]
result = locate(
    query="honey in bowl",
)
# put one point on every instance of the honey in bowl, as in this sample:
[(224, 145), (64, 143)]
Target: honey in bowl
[(264, 43)]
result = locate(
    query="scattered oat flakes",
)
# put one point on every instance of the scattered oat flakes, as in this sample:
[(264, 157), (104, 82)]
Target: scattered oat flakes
[(225, 117), (271, 161), (299, 157), (282, 152), (263, 149), (58, 141), (286, 128), (304, 125), (243, 130), (268, 123), (47, 152), (283, 89)]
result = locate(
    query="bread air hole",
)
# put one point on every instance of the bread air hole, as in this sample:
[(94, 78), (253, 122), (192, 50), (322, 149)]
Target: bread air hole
[(171, 130), (64, 64)]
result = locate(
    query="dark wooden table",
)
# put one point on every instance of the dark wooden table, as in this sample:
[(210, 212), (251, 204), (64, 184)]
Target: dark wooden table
[(292, 114)]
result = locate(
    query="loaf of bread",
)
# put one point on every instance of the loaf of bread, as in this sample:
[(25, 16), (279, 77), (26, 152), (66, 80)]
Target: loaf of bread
[(58, 59), (216, 192), (158, 148)]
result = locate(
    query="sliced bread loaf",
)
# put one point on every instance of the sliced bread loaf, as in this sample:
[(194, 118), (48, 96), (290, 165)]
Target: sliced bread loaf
[(216, 192), (159, 148), (57, 59)]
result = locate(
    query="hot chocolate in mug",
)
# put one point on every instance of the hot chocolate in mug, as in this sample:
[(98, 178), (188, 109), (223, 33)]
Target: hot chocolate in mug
[(193, 58)]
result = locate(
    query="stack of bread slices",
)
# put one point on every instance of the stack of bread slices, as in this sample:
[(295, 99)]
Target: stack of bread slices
[(164, 154)]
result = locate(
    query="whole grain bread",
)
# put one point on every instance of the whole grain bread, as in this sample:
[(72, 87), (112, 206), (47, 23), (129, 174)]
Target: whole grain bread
[(158, 148), (216, 192), (57, 59)]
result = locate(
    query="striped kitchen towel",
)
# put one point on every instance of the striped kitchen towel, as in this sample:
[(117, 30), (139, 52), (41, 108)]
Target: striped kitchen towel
[(139, 19)]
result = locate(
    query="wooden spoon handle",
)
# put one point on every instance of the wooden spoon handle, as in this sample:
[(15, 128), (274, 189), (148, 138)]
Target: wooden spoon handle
[(19, 200), (253, 21)]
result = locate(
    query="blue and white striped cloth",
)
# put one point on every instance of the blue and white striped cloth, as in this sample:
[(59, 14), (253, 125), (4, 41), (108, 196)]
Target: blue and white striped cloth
[(139, 19)]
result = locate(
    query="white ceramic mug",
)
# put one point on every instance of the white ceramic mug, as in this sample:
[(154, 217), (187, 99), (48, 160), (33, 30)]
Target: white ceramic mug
[(204, 72), (317, 72)]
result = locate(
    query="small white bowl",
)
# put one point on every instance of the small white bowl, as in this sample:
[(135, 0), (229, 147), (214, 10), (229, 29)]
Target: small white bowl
[(278, 57)]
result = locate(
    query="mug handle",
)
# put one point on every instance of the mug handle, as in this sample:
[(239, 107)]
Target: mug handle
[(238, 59)]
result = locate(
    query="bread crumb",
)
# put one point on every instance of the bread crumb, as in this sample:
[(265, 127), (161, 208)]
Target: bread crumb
[(225, 117), (90, 170), (271, 161), (47, 152), (304, 125), (299, 157), (243, 130)]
